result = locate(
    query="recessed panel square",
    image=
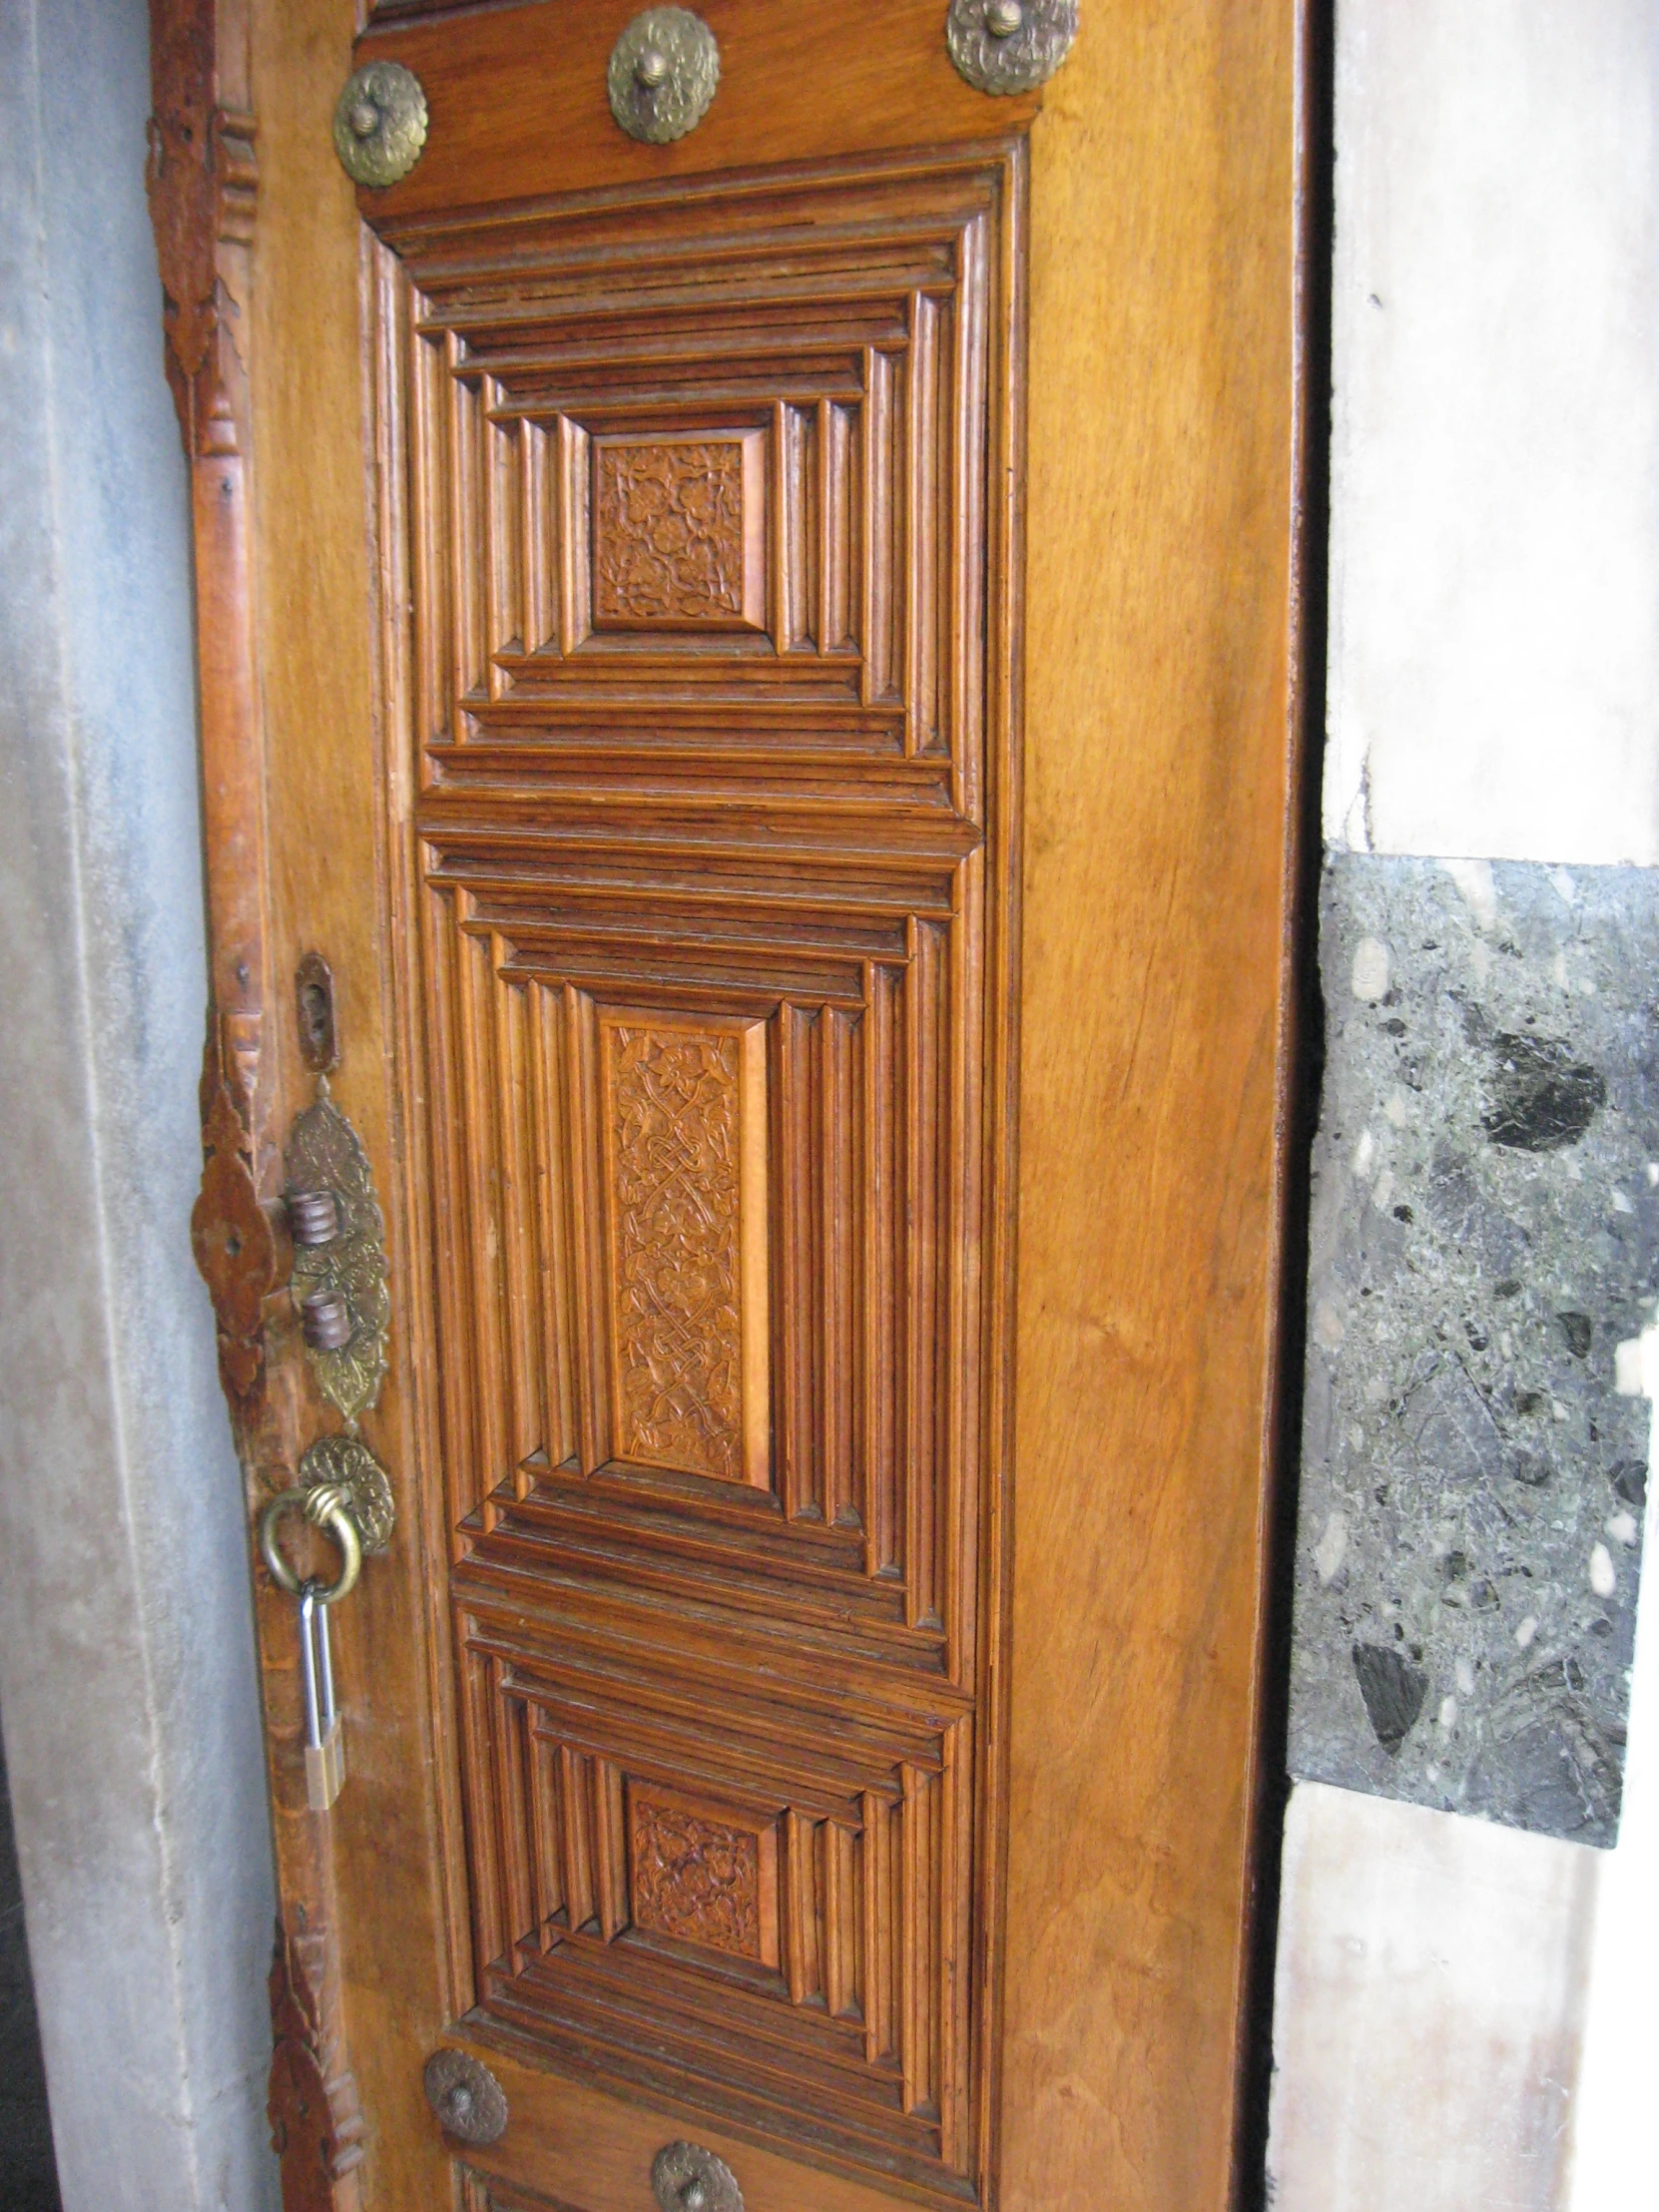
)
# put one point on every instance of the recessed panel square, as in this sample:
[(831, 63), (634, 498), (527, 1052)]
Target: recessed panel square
[(703, 1873), (680, 531)]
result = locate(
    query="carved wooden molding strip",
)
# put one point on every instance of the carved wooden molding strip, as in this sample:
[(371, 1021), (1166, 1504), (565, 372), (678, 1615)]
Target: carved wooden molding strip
[(317, 2128), (201, 180)]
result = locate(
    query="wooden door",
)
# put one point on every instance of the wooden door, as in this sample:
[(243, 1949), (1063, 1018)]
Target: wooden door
[(763, 670)]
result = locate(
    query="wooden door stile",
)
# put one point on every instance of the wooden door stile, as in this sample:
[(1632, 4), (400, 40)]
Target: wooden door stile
[(202, 180)]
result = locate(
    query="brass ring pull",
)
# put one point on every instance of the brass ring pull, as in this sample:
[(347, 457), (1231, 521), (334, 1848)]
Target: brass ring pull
[(325, 1508)]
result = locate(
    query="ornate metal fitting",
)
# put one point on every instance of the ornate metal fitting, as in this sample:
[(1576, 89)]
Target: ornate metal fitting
[(345, 1467), (326, 1509), (1004, 46), (381, 124), (685, 2179), (468, 2100), (326, 1320), (339, 1284), (314, 1218), (665, 70)]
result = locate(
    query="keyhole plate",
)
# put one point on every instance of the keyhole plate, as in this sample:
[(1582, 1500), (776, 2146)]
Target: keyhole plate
[(314, 994)]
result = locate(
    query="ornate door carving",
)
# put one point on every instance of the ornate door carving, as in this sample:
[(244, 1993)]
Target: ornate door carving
[(712, 858)]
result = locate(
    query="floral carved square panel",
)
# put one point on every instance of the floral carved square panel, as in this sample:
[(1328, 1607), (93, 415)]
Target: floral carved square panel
[(703, 1874), (680, 531)]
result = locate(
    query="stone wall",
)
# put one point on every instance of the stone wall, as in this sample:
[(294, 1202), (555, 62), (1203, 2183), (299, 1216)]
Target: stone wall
[(1460, 2015)]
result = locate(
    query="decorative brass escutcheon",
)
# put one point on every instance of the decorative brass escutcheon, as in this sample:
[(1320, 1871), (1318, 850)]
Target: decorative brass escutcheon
[(1007, 45), (347, 1467), (340, 1256), (664, 70), (687, 2178), (381, 124), (468, 2100)]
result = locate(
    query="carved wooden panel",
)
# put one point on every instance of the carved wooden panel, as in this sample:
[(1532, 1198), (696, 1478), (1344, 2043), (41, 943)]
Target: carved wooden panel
[(702, 1873), (706, 687), (686, 1189), (679, 531), (813, 1852)]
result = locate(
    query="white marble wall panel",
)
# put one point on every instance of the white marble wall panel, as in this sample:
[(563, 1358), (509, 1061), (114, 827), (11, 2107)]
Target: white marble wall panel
[(126, 1676), (1494, 579), (1432, 1984)]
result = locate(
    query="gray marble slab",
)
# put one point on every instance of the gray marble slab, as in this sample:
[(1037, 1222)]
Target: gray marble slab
[(1484, 1241)]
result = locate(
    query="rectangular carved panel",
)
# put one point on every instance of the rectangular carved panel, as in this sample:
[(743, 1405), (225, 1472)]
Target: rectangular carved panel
[(685, 1126), (701, 518), (679, 531)]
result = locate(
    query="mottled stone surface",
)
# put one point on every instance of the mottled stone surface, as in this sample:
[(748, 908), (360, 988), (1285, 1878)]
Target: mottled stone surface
[(1485, 1238)]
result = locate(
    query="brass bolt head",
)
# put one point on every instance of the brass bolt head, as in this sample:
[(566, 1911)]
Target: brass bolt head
[(1004, 17), (652, 69)]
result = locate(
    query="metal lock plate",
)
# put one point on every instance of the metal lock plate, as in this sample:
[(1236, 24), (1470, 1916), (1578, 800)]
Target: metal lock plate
[(470, 2102), (664, 70), (687, 2178), (1008, 46), (340, 1285), (381, 124)]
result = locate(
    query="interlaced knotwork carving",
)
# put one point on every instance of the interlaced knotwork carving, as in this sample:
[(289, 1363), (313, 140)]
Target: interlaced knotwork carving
[(675, 1108)]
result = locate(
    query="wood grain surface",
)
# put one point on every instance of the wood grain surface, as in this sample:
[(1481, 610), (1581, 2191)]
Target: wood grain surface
[(512, 93), (1160, 763), (329, 798)]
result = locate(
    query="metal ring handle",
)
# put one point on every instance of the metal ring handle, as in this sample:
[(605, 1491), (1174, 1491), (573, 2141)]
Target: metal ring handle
[(339, 1525)]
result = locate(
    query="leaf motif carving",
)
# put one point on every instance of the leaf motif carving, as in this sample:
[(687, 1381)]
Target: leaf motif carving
[(233, 1244), (695, 1879), (669, 533)]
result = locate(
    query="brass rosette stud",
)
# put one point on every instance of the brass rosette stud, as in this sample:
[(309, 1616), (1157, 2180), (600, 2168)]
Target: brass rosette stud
[(470, 2102), (687, 2178), (381, 124), (1009, 46), (664, 72)]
